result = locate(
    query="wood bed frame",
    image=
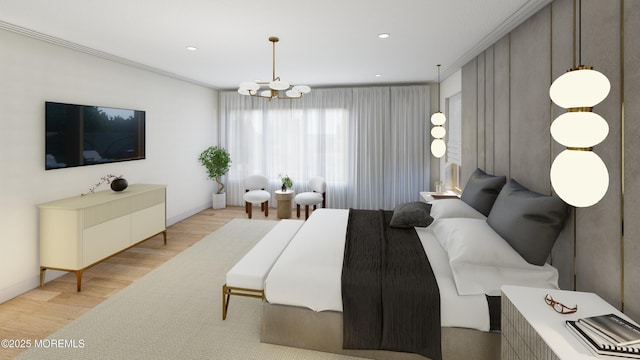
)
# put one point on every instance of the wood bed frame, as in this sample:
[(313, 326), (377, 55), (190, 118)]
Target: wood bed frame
[(322, 331)]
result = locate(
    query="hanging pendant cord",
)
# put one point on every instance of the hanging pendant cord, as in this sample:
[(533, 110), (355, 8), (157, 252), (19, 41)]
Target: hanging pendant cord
[(274, 40), (580, 32), (438, 87), (273, 61)]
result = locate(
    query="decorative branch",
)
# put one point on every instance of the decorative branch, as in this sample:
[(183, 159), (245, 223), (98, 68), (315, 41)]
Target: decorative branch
[(107, 179)]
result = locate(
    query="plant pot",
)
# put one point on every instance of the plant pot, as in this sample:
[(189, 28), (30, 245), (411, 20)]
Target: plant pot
[(219, 201)]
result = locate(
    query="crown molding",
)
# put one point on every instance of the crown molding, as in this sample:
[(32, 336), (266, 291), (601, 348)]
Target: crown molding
[(525, 12), (91, 51)]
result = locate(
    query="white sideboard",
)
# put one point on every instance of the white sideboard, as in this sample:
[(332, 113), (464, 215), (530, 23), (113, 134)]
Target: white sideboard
[(78, 232)]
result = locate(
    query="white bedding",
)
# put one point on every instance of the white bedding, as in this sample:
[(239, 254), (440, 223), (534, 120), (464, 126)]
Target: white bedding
[(309, 271), (482, 261)]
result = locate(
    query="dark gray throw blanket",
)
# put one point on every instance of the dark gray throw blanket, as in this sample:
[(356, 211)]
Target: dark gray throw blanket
[(389, 293)]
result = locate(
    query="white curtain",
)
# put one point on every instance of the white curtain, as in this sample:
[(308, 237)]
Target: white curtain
[(370, 144)]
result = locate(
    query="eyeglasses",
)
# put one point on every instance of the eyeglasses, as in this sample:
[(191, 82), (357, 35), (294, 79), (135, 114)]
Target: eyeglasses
[(559, 307)]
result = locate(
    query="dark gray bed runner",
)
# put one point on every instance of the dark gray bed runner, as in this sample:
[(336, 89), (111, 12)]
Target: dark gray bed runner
[(389, 293)]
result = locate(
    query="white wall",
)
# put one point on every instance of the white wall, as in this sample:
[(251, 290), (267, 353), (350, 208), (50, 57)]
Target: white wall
[(181, 120), (449, 87)]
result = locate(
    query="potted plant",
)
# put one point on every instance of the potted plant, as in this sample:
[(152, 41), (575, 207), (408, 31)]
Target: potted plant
[(217, 162), (287, 183)]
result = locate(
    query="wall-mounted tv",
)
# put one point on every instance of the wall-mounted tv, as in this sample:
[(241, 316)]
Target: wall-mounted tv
[(78, 135)]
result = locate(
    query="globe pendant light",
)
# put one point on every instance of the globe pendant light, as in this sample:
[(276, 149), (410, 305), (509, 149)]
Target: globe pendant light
[(578, 175), (438, 146)]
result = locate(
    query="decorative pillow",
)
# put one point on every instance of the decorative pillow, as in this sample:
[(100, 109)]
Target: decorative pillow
[(482, 262), (411, 214), (482, 190), (453, 208), (529, 221)]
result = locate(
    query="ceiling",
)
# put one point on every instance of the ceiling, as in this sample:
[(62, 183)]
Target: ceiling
[(322, 43)]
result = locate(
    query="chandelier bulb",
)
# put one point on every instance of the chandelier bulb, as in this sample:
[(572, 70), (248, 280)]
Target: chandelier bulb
[(579, 87), (438, 132), (438, 148), (580, 178)]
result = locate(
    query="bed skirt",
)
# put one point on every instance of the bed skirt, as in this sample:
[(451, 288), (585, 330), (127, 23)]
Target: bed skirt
[(322, 331)]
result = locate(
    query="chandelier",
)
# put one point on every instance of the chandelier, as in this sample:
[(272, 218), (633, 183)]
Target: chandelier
[(438, 146), (276, 88), (578, 175)]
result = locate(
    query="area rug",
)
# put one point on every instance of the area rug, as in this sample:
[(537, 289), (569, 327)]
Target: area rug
[(174, 312)]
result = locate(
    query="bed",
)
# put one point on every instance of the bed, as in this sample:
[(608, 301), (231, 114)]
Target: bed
[(469, 258)]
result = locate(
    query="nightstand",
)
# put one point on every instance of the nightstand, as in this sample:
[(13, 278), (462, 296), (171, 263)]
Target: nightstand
[(531, 329), (427, 196)]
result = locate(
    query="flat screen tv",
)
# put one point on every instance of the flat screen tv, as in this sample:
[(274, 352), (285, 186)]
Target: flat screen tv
[(78, 135)]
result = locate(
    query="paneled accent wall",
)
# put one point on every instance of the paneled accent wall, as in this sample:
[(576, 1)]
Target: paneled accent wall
[(631, 151), (506, 114)]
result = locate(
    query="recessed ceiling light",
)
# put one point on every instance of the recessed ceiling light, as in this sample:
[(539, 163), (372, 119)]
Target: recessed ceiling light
[(192, 48), (378, 75), (383, 35)]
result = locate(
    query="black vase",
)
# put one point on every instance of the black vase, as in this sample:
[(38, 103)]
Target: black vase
[(284, 188), (119, 184)]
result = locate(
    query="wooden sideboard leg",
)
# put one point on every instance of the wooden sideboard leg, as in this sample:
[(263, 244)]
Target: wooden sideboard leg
[(42, 270), (79, 279), (164, 235)]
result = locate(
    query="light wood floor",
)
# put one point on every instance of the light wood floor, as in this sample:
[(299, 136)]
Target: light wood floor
[(41, 311)]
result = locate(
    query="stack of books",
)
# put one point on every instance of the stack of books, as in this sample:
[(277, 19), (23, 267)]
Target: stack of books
[(608, 335)]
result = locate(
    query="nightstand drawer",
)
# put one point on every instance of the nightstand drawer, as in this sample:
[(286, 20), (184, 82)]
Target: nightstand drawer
[(519, 340)]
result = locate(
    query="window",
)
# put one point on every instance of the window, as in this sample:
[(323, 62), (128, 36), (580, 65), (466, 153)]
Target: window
[(368, 143), (299, 143), (454, 145)]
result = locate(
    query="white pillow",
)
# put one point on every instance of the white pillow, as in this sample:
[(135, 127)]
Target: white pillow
[(482, 262), (453, 208)]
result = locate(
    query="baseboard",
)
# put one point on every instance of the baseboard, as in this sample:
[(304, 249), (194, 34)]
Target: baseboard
[(175, 219), (26, 285)]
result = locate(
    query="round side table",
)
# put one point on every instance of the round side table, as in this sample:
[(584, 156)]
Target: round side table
[(284, 203)]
